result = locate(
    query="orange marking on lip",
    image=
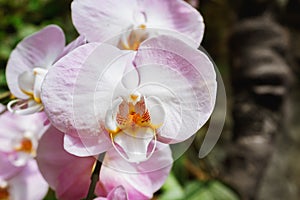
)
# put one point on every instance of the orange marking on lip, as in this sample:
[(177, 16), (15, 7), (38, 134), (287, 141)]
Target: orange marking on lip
[(25, 146), (142, 26)]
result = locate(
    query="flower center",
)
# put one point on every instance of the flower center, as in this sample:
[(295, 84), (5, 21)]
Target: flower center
[(30, 83), (129, 124), (132, 39), (136, 33), (26, 146), (131, 115)]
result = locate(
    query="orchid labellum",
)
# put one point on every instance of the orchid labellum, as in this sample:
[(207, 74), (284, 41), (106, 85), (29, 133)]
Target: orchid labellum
[(165, 91)]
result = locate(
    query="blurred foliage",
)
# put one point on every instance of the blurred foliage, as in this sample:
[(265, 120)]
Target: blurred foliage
[(191, 178)]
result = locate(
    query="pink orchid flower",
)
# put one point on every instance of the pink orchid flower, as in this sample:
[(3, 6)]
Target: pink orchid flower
[(19, 175), (165, 91), (21, 183), (135, 20), (19, 136), (29, 63), (69, 175)]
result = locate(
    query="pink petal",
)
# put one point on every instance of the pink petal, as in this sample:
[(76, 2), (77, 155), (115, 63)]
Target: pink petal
[(175, 15), (118, 193), (28, 184), (140, 180), (78, 89), (183, 79), (102, 20), (37, 50), (7, 169), (80, 40), (82, 147), (58, 86), (67, 174)]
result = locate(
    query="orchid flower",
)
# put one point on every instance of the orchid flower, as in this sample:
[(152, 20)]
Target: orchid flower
[(24, 184), (19, 136), (19, 175), (29, 63), (69, 175), (133, 21), (165, 91)]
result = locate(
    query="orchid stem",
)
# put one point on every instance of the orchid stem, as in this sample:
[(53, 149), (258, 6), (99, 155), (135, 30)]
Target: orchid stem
[(95, 177)]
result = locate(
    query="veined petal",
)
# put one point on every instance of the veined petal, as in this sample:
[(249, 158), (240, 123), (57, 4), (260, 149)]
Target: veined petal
[(80, 40), (102, 20), (183, 79), (58, 86), (78, 89), (175, 15), (37, 50), (24, 185), (170, 45), (67, 174)]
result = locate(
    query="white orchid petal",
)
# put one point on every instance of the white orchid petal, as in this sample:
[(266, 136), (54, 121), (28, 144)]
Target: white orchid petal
[(156, 110), (135, 146), (26, 82)]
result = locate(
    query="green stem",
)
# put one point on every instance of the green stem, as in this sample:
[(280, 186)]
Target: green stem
[(95, 177)]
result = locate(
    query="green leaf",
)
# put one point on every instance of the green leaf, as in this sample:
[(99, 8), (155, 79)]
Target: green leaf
[(209, 190), (222, 192), (172, 189)]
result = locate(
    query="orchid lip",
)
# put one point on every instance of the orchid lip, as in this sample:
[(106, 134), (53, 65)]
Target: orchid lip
[(24, 107), (134, 156), (130, 128), (30, 84)]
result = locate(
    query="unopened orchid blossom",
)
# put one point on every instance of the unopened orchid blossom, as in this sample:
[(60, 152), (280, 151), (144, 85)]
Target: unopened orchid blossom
[(137, 20), (165, 91), (29, 63), (69, 175)]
